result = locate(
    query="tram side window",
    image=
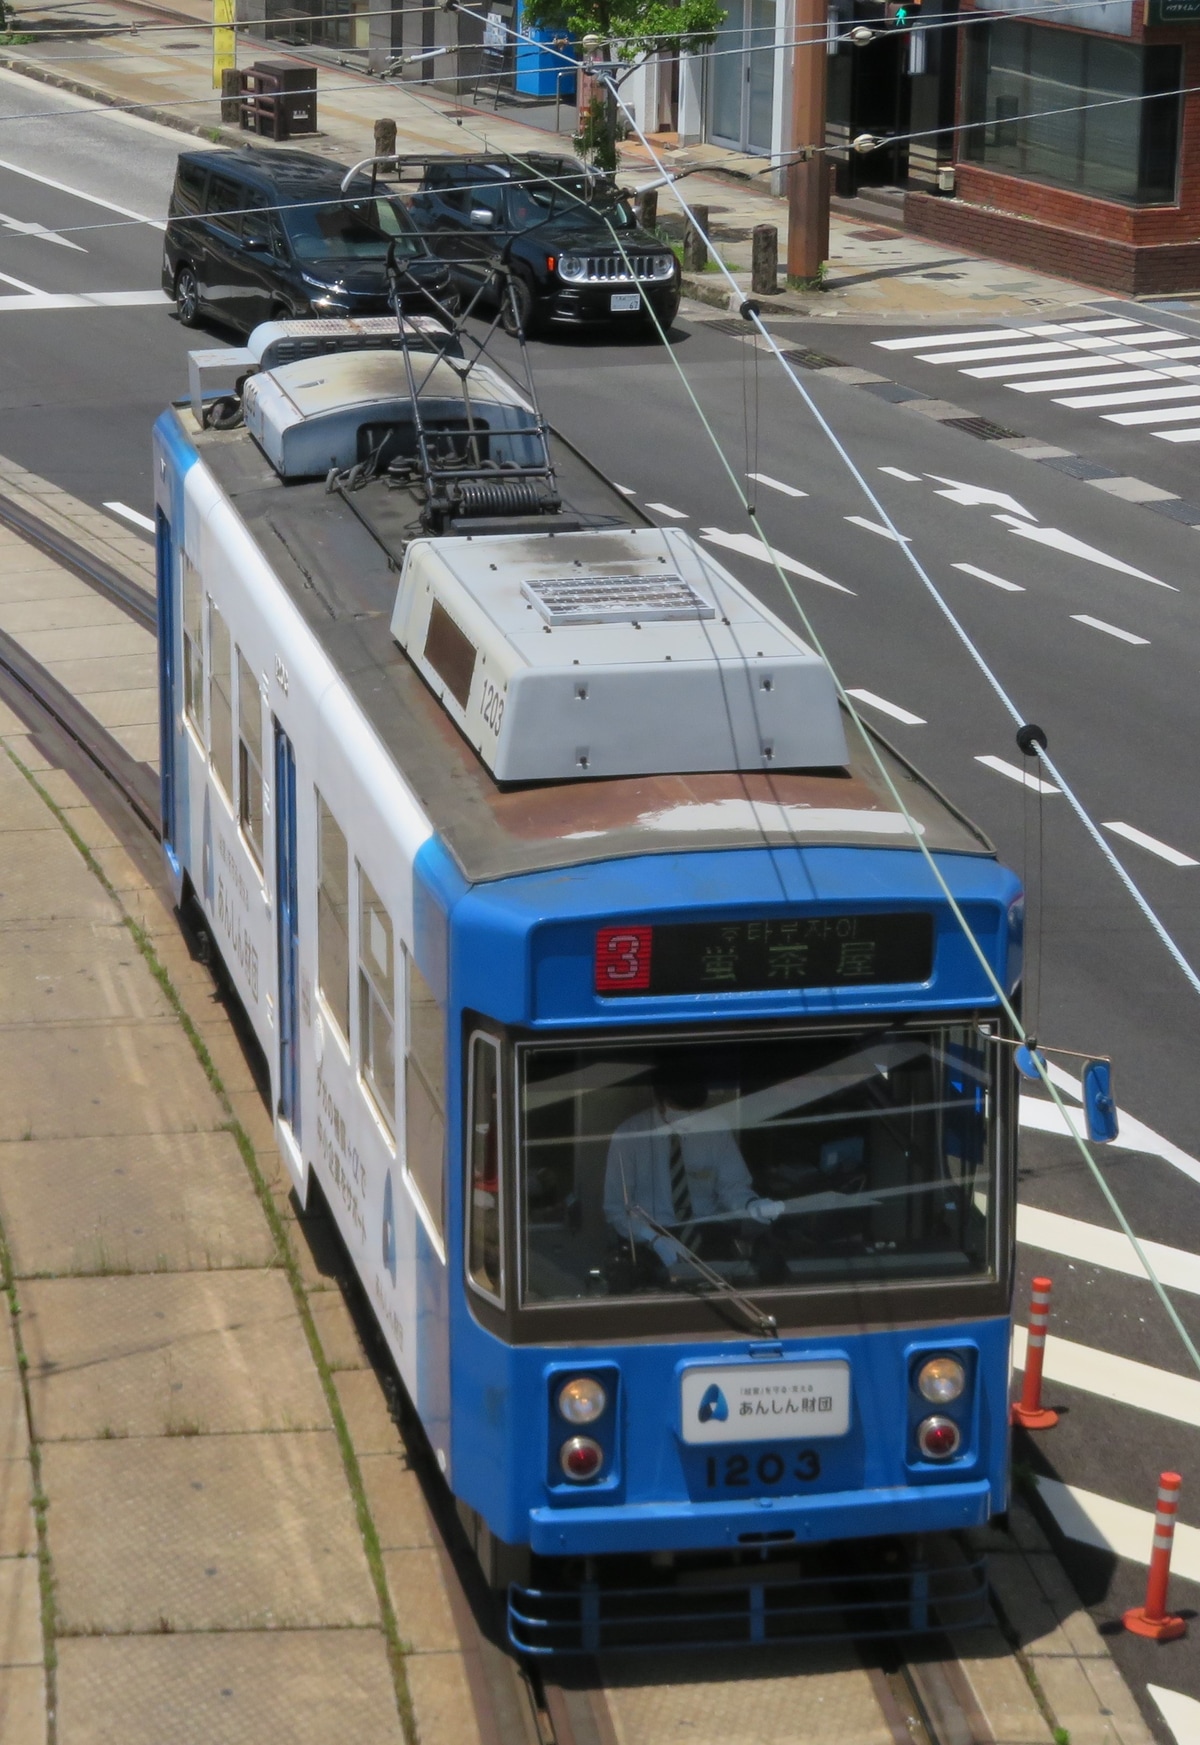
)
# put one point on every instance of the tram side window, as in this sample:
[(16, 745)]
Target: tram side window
[(425, 1093), (193, 643), (250, 756), (220, 698), (333, 917), (376, 1002), (485, 1206)]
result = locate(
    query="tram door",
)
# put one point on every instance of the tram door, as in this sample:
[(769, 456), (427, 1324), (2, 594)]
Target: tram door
[(288, 925), (165, 564)]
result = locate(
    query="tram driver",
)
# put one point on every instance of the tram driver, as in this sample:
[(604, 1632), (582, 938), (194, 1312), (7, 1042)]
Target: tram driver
[(682, 1172)]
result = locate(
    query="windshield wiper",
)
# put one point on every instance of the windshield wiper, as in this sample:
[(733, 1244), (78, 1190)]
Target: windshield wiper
[(757, 1319)]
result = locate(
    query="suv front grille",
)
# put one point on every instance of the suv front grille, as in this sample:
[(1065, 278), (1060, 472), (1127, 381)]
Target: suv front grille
[(614, 268)]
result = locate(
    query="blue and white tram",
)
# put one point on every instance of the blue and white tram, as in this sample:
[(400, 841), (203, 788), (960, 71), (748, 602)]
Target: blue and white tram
[(661, 1103)]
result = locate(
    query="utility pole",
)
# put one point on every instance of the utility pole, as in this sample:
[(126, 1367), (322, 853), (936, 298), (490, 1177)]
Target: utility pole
[(808, 181)]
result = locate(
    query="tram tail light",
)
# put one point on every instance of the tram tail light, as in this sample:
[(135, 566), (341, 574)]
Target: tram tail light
[(581, 1459), (938, 1438)]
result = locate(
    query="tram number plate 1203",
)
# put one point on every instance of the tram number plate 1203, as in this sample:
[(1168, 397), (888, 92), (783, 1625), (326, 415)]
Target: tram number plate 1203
[(765, 1402), (767, 1469)]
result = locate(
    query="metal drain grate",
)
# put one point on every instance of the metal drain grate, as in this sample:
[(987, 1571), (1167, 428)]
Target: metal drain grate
[(812, 360), (616, 599), (981, 427), (738, 329)]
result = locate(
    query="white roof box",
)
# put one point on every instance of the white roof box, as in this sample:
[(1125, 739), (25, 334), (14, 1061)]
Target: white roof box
[(284, 342), (307, 416), (612, 653)]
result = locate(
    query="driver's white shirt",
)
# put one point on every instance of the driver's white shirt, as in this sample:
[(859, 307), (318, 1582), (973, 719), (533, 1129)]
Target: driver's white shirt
[(638, 1171)]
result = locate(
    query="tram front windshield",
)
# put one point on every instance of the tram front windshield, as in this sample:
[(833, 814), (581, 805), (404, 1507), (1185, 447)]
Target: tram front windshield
[(776, 1161)]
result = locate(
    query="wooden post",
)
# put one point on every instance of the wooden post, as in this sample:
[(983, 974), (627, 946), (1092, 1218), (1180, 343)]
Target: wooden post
[(764, 260), (645, 206), (808, 182), (385, 137), (231, 85), (695, 249)]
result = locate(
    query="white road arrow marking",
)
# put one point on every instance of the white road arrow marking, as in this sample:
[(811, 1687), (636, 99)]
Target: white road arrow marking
[(751, 547), (979, 497), (1060, 541), (25, 229)]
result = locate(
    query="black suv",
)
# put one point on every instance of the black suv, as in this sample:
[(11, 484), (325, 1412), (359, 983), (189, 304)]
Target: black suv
[(550, 219), (256, 235)]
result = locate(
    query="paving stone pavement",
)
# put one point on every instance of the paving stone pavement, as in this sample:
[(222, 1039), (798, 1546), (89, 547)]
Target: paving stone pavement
[(201, 1576)]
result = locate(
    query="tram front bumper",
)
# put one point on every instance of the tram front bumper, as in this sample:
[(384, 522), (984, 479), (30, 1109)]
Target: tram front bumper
[(583, 1531)]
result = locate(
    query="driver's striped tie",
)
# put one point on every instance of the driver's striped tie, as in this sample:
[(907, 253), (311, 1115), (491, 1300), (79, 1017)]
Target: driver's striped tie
[(681, 1197)]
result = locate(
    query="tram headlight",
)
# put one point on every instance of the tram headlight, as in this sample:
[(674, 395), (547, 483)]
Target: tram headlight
[(938, 1438), (581, 1459), (581, 1400), (941, 1380)]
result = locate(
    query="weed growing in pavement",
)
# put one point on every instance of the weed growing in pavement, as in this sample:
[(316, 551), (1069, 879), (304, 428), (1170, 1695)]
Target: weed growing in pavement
[(286, 1259)]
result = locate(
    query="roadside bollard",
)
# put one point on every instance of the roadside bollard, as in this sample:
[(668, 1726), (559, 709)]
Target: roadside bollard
[(385, 137), (695, 250), (764, 268), (1153, 1619), (1029, 1410), (645, 206)]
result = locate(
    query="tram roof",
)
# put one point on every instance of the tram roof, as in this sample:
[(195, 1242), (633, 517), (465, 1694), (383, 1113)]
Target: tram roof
[(339, 564)]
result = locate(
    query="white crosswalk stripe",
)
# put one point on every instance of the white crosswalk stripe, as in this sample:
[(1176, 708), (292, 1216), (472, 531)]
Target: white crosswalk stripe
[(1128, 363)]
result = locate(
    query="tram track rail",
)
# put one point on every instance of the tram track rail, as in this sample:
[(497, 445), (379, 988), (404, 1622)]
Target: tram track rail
[(923, 1697)]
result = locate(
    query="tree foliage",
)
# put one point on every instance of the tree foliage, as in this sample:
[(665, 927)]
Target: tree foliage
[(640, 26)]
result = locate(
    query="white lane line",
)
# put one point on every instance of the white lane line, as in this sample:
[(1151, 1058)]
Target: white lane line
[(666, 509), (1065, 542), (914, 343), (970, 569), (751, 547), (984, 354), (1111, 379), (41, 300), (92, 199), (1018, 775), (1093, 360), (886, 708), (7, 279), (874, 527), (134, 515), (1165, 415), (23, 227), (1110, 629), (899, 473), (1134, 1135), (775, 485), (1139, 1385), (1192, 435), (1117, 1527), (1181, 1713), (1129, 397), (625, 490), (1152, 845), (1095, 1246)]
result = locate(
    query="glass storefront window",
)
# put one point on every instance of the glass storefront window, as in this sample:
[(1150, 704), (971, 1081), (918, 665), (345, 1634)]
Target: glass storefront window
[(778, 1160), (1028, 91)]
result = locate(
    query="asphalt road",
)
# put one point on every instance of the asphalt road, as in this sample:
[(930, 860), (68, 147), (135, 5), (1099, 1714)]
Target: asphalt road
[(1096, 637)]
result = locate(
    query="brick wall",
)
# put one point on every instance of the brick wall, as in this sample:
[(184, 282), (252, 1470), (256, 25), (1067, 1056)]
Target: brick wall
[(1105, 261)]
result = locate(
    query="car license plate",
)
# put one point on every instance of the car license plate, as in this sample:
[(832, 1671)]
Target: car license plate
[(624, 302), (765, 1402)]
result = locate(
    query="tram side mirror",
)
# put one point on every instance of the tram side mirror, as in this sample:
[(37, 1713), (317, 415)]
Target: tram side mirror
[(1028, 1060), (1099, 1109)]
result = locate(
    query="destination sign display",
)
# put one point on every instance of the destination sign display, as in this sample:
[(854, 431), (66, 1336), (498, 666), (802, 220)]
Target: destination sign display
[(1172, 12), (771, 954)]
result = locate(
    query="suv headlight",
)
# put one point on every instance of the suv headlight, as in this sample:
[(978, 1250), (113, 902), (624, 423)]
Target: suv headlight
[(572, 267), (662, 267)]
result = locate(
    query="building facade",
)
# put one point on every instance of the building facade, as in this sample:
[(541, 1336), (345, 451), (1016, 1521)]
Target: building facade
[(1077, 147)]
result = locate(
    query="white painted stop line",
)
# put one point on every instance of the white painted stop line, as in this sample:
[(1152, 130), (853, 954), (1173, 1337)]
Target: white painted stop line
[(1152, 845), (1117, 1527)]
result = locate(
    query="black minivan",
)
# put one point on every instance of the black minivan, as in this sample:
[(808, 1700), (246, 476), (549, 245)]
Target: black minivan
[(256, 235)]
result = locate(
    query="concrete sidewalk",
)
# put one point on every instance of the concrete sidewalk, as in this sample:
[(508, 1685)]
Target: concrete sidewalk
[(875, 273)]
